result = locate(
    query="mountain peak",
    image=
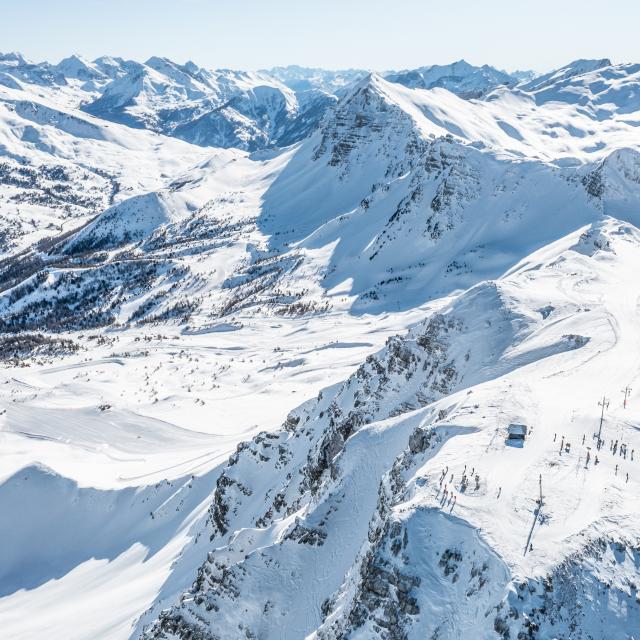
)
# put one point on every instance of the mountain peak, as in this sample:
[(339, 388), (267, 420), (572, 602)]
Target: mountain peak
[(77, 67), (13, 56), (460, 77), (566, 73)]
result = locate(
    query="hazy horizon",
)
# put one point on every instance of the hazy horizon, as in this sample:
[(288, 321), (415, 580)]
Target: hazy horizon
[(332, 35)]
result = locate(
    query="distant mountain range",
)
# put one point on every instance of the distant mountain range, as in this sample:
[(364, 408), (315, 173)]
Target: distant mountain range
[(222, 108)]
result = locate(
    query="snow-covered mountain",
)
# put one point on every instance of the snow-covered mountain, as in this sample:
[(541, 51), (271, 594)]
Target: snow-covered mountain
[(263, 336), (461, 78), (393, 506), (418, 213), (302, 79), (221, 108)]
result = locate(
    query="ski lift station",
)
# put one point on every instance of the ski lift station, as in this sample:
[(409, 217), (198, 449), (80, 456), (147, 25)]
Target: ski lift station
[(517, 431)]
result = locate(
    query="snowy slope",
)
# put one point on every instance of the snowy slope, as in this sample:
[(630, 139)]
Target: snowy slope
[(349, 514), (58, 166), (231, 378)]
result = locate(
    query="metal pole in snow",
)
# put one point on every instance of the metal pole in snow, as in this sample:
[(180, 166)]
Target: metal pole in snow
[(540, 482), (604, 403), (627, 392)]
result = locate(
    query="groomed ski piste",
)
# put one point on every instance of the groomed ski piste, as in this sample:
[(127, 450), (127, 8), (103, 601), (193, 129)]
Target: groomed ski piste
[(266, 393)]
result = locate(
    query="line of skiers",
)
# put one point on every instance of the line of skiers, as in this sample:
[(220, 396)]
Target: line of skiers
[(464, 483), (614, 447)]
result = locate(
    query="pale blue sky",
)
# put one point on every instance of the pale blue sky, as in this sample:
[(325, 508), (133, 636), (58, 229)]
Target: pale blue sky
[(372, 34)]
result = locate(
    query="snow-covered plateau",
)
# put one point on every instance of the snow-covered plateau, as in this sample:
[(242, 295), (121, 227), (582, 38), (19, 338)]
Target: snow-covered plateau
[(308, 354)]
